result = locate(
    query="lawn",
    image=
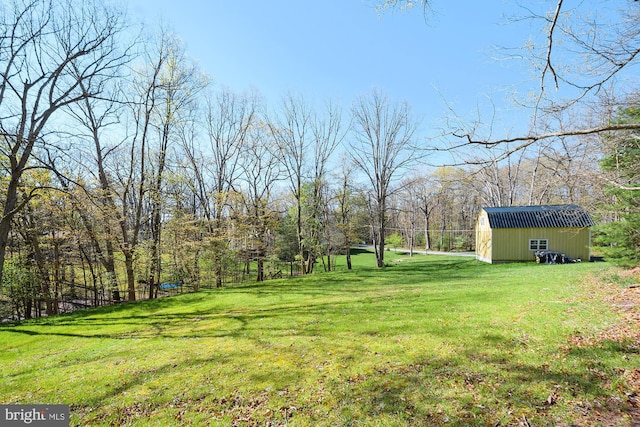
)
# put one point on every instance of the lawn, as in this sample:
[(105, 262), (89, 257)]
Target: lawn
[(431, 340)]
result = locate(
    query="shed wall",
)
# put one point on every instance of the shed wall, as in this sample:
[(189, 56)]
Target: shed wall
[(512, 244), (483, 238)]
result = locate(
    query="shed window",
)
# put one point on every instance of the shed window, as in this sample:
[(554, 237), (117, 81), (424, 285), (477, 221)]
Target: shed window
[(538, 244)]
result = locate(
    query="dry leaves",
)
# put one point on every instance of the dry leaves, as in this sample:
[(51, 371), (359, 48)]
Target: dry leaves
[(626, 301)]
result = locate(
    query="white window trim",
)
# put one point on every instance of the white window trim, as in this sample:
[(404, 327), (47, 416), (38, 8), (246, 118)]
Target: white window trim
[(538, 244)]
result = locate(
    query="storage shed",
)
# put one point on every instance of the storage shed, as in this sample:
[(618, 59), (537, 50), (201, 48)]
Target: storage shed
[(515, 233)]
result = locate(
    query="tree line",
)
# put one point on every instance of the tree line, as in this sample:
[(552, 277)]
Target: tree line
[(128, 174)]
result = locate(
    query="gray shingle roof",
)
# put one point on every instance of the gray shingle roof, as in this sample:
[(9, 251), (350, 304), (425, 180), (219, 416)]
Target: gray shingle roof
[(550, 216)]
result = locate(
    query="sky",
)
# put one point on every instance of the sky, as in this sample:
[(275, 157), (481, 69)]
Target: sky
[(452, 61)]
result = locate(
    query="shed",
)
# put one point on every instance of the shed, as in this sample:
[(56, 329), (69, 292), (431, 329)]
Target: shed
[(515, 233)]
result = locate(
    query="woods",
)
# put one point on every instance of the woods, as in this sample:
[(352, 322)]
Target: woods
[(126, 170)]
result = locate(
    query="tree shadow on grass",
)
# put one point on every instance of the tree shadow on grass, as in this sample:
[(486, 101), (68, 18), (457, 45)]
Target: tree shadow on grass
[(322, 285), (478, 384), (441, 391), (224, 323), (327, 295)]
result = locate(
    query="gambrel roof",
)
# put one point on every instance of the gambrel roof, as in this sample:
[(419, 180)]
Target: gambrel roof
[(549, 216)]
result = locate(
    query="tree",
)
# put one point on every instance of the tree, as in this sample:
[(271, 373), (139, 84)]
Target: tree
[(581, 54), (182, 232), (328, 133), (621, 238), (176, 83), (409, 206), (291, 129), (402, 4), (349, 206), (305, 141), (500, 177), (34, 224), (261, 172), (423, 193), (287, 240), (54, 55), (382, 148), (394, 240), (229, 120), (95, 116), (34, 228), (20, 283)]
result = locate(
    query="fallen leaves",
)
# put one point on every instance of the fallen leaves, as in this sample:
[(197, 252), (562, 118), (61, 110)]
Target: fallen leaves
[(626, 335)]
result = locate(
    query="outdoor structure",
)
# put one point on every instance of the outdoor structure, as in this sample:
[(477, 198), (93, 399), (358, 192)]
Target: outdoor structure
[(516, 233)]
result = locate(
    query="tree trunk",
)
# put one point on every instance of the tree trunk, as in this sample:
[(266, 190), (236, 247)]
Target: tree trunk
[(155, 270), (427, 240), (412, 239), (374, 239), (218, 268), (131, 280), (27, 308), (43, 273), (58, 273), (195, 276), (260, 270), (9, 210), (380, 252), (382, 229)]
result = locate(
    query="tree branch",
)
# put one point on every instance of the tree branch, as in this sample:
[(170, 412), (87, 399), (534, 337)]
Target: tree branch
[(530, 139), (549, 66)]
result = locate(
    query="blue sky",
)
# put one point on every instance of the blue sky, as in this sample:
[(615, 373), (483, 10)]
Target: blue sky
[(341, 49)]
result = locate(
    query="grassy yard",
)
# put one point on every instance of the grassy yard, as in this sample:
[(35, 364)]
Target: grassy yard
[(431, 340)]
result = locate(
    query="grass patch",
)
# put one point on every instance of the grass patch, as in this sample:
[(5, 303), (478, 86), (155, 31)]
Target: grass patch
[(430, 340)]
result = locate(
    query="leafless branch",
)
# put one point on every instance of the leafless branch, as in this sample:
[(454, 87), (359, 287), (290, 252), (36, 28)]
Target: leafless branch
[(530, 139), (549, 65)]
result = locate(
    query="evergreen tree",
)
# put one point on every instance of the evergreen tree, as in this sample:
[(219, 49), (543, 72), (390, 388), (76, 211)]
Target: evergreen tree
[(620, 239)]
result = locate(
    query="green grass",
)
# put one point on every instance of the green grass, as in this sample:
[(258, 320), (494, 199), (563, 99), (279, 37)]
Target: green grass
[(427, 341)]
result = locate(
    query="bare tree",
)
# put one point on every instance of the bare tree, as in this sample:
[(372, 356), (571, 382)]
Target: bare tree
[(291, 129), (349, 206), (382, 149), (261, 171), (177, 84), (95, 204), (581, 54), (229, 119), (499, 177), (403, 4), (306, 140), (132, 170), (409, 207), (426, 193), (328, 133), (54, 55)]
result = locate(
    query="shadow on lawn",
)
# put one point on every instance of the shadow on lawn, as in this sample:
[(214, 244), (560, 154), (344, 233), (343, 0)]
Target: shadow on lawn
[(447, 391), (363, 278), (435, 391), (326, 295), (323, 284), (242, 322), (480, 383)]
